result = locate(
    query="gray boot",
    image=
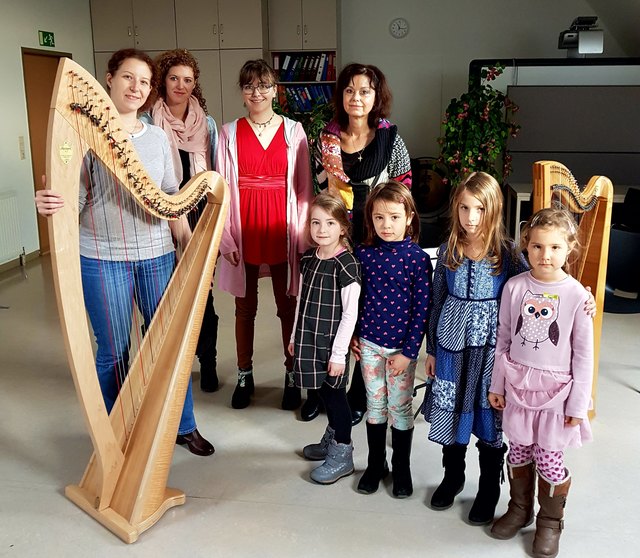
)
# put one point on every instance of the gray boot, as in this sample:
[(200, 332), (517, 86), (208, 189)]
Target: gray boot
[(338, 464), (317, 452)]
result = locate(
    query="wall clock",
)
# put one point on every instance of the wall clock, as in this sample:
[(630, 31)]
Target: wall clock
[(399, 28)]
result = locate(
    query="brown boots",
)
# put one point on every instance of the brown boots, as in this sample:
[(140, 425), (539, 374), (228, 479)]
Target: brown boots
[(520, 511), (549, 523)]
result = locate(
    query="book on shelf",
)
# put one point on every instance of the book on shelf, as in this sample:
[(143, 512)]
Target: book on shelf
[(321, 64)]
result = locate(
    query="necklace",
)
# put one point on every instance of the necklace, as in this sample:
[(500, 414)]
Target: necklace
[(135, 128), (262, 126), (359, 152)]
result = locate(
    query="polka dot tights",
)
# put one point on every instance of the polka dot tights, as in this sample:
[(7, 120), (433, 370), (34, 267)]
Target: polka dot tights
[(550, 464)]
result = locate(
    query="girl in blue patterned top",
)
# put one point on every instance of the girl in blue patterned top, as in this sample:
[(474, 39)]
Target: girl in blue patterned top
[(396, 282), (472, 268)]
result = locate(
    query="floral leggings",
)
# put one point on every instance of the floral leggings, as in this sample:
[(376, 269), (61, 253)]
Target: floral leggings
[(388, 396), (550, 464)]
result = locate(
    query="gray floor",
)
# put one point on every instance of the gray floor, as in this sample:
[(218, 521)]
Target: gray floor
[(253, 496)]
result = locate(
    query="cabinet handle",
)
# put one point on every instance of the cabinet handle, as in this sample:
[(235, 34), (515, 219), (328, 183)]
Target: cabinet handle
[(297, 30), (215, 28), (221, 28), (305, 28), (135, 29), (129, 30)]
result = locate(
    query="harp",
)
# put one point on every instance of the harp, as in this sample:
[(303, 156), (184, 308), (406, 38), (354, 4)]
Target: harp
[(124, 484), (555, 186)]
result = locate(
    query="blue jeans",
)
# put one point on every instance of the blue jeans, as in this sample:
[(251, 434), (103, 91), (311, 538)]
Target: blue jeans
[(110, 288)]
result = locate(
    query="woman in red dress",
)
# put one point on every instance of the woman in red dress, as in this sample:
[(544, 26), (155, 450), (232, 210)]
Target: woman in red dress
[(265, 159)]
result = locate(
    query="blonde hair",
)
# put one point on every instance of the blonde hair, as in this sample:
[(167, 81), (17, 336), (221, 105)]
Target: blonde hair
[(391, 191), (553, 218), (487, 191), (335, 207)]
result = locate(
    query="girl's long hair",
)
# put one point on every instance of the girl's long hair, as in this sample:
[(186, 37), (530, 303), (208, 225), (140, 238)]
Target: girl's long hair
[(335, 207), (486, 190), (391, 191)]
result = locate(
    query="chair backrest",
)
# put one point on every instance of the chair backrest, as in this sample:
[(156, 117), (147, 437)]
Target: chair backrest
[(623, 269)]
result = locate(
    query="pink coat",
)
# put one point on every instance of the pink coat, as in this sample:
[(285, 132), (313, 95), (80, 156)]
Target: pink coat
[(299, 195)]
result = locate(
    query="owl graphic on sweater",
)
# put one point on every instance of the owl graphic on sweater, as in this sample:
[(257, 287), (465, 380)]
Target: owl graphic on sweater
[(538, 319)]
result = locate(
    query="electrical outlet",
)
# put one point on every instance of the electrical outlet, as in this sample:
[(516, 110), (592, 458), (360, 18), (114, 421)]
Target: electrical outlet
[(21, 147)]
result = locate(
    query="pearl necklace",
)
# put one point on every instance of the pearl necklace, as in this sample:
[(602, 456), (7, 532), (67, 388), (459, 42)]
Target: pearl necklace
[(262, 126)]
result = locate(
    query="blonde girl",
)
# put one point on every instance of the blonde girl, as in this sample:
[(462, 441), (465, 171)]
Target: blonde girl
[(325, 317)]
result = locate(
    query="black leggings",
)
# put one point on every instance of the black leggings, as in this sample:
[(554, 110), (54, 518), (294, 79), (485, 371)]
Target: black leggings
[(338, 411)]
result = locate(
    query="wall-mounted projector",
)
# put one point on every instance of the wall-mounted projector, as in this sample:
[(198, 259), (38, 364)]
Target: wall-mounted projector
[(582, 37)]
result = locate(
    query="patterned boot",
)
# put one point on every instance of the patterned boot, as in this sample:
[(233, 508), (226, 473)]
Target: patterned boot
[(338, 464), (244, 389)]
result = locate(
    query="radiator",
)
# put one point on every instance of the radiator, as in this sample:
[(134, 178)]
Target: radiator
[(10, 237)]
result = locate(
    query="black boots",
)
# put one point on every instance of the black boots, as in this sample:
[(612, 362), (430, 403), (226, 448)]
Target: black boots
[(312, 406), (357, 395), (208, 373), (453, 481), (244, 389), (291, 397), (491, 475), (401, 462), (377, 468)]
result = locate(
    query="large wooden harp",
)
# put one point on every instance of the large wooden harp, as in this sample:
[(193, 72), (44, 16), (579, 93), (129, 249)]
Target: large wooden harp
[(555, 186), (124, 485)]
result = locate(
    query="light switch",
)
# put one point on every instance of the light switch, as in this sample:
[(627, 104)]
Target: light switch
[(21, 147)]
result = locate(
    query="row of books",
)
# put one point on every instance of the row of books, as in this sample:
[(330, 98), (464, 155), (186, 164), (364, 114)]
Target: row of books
[(302, 98), (305, 67)]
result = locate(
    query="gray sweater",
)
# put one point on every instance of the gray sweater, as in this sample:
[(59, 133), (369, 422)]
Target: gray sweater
[(112, 225)]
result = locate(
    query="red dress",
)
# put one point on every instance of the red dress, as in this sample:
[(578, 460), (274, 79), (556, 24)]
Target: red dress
[(262, 179)]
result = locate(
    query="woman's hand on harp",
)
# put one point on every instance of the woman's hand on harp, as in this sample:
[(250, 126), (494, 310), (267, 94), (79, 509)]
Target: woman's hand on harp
[(48, 201)]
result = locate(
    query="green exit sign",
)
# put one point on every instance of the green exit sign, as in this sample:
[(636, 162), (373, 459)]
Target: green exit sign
[(46, 38)]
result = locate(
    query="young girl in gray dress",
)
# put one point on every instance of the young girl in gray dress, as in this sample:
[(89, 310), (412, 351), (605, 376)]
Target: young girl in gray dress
[(326, 315)]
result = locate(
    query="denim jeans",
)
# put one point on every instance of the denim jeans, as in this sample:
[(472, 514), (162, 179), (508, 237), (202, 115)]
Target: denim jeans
[(110, 289)]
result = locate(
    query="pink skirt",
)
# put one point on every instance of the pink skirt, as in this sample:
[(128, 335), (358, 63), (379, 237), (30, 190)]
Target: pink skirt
[(534, 410)]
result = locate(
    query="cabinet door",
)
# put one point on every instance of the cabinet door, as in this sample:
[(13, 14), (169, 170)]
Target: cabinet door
[(240, 23), (112, 24), (230, 63), (101, 59), (197, 24), (285, 24), (154, 23), (319, 25), (209, 64)]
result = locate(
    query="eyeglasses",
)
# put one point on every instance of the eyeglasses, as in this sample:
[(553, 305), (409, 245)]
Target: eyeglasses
[(262, 88), (365, 92)]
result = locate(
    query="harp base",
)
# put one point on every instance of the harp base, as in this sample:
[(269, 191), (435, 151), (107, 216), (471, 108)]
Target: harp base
[(113, 521)]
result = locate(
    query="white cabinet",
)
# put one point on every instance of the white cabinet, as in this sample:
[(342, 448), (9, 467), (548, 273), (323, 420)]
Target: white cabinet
[(302, 24), (210, 82), (218, 24), (148, 25)]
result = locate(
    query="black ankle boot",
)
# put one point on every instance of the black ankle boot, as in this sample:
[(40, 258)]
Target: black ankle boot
[(357, 395), (208, 374), (312, 406), (453, 481), (491, 475), (244, 390), (401, 462), (377, 468), (291, 397)]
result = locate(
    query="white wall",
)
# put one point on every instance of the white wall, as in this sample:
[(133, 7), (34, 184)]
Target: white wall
[(70, 21), (430, 66)]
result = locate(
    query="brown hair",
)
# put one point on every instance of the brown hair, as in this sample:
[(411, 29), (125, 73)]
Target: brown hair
[(553, 218), (179, 57), (120, 56), (487, 191), (253, 69), (335, 207), (382, 103), (391, 191)]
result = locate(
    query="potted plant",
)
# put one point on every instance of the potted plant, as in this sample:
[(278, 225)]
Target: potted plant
[(476, 127)]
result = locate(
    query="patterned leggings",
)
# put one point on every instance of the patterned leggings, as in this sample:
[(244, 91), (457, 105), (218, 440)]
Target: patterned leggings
[(550, 464), (387, 394)]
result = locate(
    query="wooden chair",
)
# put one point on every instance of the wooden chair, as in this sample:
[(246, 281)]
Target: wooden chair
[(555, 186), (124, 485)]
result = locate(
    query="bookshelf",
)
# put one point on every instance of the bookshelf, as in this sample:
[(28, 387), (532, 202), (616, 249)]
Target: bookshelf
[(305, 78)]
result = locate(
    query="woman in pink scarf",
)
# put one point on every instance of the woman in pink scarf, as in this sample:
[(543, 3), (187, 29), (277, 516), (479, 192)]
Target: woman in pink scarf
[(181, 111)]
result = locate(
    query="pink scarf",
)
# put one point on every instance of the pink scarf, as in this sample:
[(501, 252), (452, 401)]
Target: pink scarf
[(192, 135)]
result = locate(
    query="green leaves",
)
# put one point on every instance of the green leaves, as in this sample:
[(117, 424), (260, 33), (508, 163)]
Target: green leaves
[(475, 130)]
